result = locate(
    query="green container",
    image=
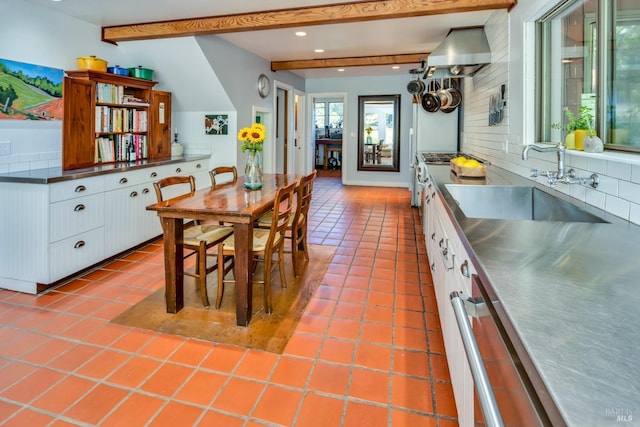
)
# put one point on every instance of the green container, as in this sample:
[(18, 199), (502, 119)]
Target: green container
[(141, 73)]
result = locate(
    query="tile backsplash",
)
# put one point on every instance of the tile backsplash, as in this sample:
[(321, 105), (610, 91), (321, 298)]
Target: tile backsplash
[(619, 190)]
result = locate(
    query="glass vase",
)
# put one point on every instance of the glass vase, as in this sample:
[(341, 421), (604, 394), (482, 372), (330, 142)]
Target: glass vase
[(253, 171)]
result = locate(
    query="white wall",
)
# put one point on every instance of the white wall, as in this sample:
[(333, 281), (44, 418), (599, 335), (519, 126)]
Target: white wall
[(513, 58), (352, 87), (205, 75), (36, 35)]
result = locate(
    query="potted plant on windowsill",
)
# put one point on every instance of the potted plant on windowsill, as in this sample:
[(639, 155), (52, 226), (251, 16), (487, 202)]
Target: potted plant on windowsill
[(580, 129)]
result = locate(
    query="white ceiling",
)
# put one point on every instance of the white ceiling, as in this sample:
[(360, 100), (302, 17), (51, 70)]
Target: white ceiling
[(383, 37)]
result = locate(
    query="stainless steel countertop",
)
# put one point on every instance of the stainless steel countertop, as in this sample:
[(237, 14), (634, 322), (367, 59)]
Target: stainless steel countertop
[(51, 175), (571, 292)]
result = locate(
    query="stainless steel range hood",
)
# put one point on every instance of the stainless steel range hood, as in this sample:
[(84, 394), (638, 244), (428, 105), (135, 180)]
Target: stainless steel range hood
[(463, 53)]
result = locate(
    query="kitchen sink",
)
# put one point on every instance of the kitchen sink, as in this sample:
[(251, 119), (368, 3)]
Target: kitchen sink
[(516, 203)]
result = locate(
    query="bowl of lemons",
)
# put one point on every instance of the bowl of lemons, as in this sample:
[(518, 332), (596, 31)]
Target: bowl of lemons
[(463, 166)]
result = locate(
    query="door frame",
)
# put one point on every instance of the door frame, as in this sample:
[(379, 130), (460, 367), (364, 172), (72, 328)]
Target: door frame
[(289, 131), (346, 138), (267, 119)]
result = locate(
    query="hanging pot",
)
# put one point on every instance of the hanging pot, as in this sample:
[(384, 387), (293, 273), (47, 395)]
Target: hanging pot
[(456, 97), (430, 102), (415, 86)]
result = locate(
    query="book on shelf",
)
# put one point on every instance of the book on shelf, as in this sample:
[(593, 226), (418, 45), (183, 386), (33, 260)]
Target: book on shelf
[(134, 101), (121, 148)]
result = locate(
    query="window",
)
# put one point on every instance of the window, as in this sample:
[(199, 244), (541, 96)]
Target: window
[(328, 118), (580, 68)]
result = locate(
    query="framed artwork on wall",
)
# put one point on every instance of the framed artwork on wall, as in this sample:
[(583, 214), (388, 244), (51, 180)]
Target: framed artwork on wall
[(216, 124), (30, 92)]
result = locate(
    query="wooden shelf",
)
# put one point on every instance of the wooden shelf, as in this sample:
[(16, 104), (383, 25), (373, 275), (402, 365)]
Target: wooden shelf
[(79, 125)]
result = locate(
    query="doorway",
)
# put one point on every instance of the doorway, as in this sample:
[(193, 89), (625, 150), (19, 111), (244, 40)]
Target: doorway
[(328, 134)]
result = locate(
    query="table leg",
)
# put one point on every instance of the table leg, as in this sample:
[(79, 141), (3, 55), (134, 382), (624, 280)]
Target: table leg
[(173, 264), (325, 154), (243, 272)]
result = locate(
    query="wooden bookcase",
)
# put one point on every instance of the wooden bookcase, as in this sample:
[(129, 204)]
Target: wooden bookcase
[(94, 110)]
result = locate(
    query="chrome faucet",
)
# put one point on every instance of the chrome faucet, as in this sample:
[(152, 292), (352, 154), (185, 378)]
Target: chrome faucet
[(553, 177), (560, 149)]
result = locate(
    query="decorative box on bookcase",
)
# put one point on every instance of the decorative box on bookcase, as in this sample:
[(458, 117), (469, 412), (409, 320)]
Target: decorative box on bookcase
[(111, 118)]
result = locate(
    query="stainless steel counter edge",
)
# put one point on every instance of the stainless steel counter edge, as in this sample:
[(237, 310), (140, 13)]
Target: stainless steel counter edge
[(570, 293), (51, 175)]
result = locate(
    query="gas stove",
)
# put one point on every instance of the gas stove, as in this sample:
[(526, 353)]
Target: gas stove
[(443, 158)]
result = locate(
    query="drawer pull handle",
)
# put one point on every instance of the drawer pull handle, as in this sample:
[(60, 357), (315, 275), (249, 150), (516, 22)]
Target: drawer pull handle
[(133, 194), (79, 244), (145, 191), (79, 208), (433, 236), (488, 402), (198, 166), (178, 170), (154, 174), (123, 180), (80, 188)]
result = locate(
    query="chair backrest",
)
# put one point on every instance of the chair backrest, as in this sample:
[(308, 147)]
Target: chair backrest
[(220, 170), (282, 207), (174, 186), (303, 197)]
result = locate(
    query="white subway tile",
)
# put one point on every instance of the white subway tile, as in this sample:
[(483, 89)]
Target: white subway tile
[(634, 213), (617, 206), (598, 166), (619, 170), (608, 185), (629, 191), (595, 198)]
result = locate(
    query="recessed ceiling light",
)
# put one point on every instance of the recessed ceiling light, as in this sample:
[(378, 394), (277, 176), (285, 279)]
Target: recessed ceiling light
[(318, 50), (300, 33), (340, 69)]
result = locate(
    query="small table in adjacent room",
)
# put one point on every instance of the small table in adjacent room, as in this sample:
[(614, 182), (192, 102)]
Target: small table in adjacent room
[(331, 149)]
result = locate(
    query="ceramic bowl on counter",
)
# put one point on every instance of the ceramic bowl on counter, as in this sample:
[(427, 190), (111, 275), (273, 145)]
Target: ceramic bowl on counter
[(92, 63)]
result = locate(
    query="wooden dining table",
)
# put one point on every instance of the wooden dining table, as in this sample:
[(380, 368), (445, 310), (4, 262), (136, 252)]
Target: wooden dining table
[(231, 203)]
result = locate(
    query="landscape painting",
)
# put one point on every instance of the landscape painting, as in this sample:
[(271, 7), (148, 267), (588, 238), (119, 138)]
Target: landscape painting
[(30, 92)]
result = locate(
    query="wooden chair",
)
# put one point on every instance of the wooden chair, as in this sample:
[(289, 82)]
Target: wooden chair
[(197, 239), (221, 170), (266, 243), (297, 225)]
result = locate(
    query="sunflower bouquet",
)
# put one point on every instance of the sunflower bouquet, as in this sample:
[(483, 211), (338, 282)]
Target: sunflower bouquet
[(252, 138)]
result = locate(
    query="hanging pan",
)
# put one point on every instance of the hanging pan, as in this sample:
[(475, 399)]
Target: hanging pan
[(415, 86), (430, 102)]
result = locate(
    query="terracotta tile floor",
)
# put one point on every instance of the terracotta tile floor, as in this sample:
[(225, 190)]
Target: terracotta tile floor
[(367, 352)]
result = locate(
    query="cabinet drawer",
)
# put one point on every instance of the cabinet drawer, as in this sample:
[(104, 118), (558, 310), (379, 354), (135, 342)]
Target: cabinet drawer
[(193, 167), (125, 179), (75, 253), (74, 216), (75, 188)]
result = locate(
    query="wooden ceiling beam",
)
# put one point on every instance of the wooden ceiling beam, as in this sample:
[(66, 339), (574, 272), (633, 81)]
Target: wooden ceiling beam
[(359, 61), (297, 17)]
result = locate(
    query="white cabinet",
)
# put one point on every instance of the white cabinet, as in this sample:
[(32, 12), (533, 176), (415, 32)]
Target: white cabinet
[(51, 231), (451, 271)]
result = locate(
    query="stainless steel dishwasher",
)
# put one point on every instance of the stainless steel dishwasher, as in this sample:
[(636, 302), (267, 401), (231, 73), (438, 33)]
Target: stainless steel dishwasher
[(504, 395)]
